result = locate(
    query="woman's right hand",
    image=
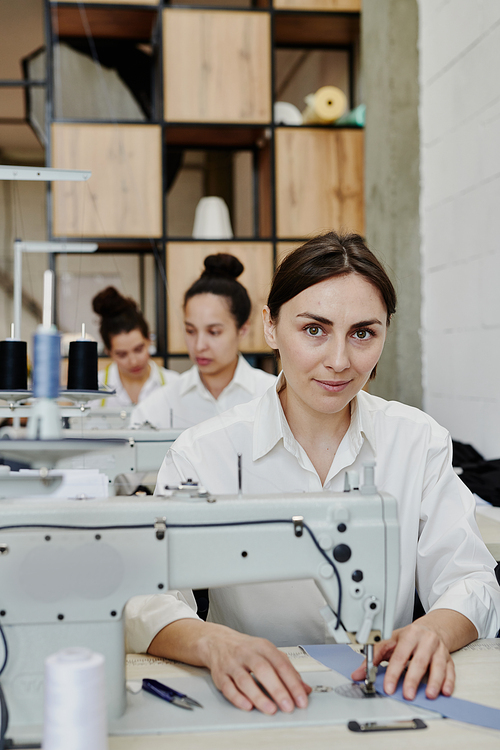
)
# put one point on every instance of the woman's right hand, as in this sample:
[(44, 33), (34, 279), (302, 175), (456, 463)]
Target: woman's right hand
[(238, 664)]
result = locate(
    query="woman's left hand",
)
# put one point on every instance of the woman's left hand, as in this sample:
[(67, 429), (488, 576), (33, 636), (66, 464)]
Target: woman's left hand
[(423, 646)]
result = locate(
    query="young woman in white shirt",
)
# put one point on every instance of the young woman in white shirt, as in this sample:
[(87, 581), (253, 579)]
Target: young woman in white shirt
[(216, 312), (328, 312), (125, 334)]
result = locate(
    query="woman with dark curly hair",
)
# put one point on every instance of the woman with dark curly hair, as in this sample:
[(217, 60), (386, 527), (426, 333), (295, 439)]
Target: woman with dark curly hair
[(125, 333)]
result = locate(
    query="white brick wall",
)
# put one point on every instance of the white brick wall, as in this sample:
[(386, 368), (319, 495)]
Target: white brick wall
[(460, 216)]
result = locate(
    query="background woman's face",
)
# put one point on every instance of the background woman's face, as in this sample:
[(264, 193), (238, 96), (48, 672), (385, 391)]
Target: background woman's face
[(130, 351), (212, 337), (330, 337)]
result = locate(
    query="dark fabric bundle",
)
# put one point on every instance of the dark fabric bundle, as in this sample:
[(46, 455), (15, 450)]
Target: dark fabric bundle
[(479, 475)]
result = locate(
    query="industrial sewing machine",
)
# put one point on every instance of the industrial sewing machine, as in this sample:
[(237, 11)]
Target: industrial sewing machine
[(67, 568)]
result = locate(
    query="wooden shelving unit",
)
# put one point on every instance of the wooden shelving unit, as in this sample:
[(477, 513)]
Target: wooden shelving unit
[(213, 88)]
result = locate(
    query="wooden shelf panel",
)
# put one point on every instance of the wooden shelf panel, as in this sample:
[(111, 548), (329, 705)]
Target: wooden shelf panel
[(335, 6), (185, 264), (217, 66), (321, 29), (319, 181), (104, 22), (123, 197)]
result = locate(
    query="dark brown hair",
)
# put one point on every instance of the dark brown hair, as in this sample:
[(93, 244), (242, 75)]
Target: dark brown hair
[(118, 315), (219, 277), (324, 257)]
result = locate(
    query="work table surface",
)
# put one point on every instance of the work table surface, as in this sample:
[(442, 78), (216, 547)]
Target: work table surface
[(478, 679)]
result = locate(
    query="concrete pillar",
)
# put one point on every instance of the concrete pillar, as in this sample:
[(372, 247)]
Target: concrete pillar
[(390, 84)]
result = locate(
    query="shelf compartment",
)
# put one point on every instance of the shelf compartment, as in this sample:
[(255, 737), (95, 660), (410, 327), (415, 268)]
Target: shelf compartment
[(104, 21), (217, 66), (123, 198), (213, 135), (319, 180), (316, 29), (184, 266)]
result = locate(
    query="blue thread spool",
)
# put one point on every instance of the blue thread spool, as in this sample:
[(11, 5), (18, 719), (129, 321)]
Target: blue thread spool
[(46, 356)]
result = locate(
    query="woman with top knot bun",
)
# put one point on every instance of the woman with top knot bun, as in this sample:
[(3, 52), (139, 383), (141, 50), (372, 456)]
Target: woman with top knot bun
[(125, 333), (216, 312)]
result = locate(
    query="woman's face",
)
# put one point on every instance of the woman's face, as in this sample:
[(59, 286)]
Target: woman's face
[(211, 334), (330, 337), (130, 351)]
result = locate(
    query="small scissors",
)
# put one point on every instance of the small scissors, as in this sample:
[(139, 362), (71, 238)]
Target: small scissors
[(169, 694)]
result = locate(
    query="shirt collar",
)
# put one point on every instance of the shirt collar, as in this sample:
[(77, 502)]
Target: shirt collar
[(190, 379), (243, 377), (154, 372), (361, 420), (269, 421), (271, 425)]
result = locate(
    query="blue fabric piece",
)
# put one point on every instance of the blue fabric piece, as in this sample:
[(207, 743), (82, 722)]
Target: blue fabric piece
[(344, 660)]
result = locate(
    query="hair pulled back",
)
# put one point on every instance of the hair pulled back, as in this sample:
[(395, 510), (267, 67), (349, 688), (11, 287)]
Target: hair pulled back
[(118, 315), (220, 277), (324, 257)]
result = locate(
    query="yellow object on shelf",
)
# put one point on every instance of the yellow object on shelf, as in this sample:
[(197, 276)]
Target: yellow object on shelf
[(325, 106)]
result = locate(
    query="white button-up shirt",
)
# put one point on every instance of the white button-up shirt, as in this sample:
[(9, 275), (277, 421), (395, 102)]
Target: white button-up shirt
[(158, 377), (187, 402), (442, 553)]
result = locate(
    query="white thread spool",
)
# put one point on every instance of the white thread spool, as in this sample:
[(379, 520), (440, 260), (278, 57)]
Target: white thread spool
[(75, 715)]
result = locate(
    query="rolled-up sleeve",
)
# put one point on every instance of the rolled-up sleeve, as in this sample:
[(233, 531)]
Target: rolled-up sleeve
[(145, 616), (454, 568)]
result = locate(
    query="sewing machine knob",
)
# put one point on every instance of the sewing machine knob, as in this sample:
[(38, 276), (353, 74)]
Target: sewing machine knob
[(342, 553), (357, 575), (326, 571), (325, 541)]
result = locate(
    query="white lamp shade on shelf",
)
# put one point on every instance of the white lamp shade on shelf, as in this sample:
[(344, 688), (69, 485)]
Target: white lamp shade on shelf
[(211, 220)]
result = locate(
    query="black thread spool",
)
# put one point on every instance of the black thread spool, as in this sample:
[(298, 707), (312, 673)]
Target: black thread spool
[(13, 365), (82, 366)]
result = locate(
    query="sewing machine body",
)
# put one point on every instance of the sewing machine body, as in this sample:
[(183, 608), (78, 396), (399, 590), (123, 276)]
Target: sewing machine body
[(63, 587), (143, 450), (123, 451)]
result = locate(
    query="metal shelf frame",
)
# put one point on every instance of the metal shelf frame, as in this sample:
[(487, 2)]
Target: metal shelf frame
[(209, 135)]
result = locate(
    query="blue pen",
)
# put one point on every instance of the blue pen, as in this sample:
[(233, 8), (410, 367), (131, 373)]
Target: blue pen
[(169, 694)]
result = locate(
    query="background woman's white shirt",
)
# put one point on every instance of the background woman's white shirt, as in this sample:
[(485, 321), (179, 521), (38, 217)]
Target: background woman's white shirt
[(158, 377), (187, 402), (441, 545)]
